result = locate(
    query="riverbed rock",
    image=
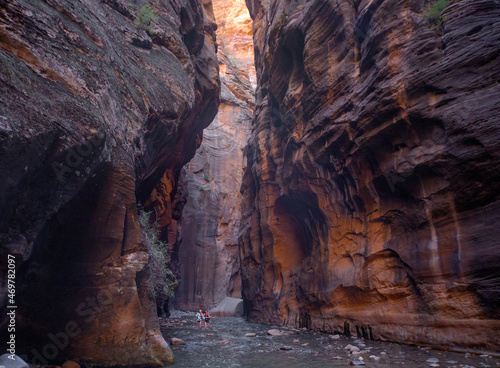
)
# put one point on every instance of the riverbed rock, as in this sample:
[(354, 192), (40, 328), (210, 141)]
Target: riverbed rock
[(70, 364), (98, 113), (286, 348), (274, 332), (17, 362), (250, 334), (432, 362), (357, 362), (370, 196), (176, 341), (351, 348)]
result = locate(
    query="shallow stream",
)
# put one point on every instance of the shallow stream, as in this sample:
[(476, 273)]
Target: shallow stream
[(226, 346)]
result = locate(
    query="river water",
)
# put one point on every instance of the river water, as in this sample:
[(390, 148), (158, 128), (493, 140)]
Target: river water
[(226, 346)]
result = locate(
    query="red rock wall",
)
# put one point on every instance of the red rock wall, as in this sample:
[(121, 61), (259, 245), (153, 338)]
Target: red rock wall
[(370, 199), (209, 193), (95, 111)]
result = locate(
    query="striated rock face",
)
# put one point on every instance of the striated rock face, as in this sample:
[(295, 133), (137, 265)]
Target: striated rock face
[(98, 104), (371, 192), (207, 247), (234, 32)]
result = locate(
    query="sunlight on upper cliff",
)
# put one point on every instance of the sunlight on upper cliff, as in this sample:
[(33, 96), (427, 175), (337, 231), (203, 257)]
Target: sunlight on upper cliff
[(235, 34)]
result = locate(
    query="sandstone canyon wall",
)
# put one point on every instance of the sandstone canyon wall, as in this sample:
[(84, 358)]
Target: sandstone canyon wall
[(102, 103), (235, 34), (207, 247), (371, 195)]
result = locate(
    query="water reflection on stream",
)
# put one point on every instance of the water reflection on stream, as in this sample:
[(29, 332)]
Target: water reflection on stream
[(226, 346)]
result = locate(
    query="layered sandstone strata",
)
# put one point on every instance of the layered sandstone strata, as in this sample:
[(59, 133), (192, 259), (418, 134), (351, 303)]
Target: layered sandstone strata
[(100, 100), (234, 32), (371, 191), (207, 246)]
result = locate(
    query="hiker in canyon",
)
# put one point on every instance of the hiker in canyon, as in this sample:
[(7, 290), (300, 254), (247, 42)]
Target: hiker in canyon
[(206, 317), (342, 178), (199, 317)]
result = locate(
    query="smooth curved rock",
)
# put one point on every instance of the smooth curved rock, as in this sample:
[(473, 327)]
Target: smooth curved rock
[(17, 362), (229, 307), (70, 364), (176, 341), (370, 199)]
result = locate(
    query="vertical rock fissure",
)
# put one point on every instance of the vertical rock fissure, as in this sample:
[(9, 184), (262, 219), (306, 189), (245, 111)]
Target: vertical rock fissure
[(209, 191)]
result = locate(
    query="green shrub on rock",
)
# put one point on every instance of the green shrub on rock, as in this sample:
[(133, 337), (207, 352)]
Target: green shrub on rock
[(162, 280), (434, 13), (146, 18)]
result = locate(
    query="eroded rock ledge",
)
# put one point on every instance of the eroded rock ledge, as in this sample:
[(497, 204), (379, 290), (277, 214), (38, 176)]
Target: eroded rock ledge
[(96, 108), (370, 199)]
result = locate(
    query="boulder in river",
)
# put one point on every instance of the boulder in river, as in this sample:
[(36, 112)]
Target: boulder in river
[(17, 362), (274, 332), (70, 364), (351, 348), (357, 362), (250, 334), (176, 341)]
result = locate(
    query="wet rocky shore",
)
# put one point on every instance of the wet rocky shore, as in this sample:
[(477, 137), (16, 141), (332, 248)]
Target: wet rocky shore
[(234, 342)]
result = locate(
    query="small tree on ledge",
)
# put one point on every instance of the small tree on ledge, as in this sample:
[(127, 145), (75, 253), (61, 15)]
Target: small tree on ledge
[(435, 12), (146, 18)]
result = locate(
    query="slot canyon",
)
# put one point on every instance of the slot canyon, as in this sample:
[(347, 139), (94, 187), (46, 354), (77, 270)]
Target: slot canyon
[(334, 164)]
